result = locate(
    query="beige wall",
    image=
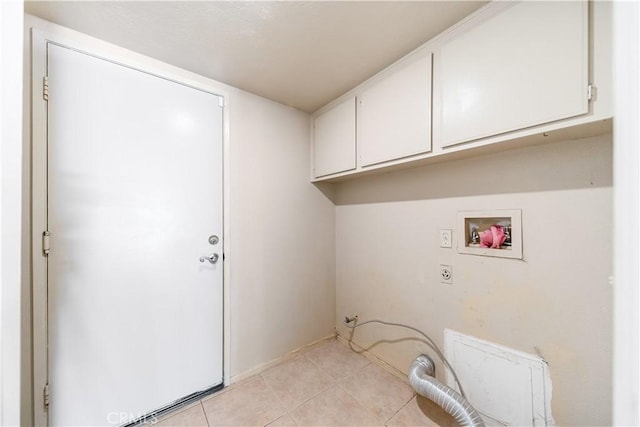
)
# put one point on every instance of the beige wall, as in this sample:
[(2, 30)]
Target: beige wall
[(10, 210), (558, 299), (282, 253)]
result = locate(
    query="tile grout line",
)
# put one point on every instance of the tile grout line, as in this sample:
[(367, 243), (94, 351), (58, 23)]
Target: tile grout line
[(334, 382), (338, 381), (279, 360), (292, 417), (330, 357), (385, 367), (369, 411), (348, 392), (323, 371), (372, 358), (329, 374), (286, 410), (401, 408), (205, 413)]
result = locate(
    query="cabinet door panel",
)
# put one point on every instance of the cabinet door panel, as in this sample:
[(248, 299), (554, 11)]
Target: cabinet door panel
[(526, 65), (394, 115), (334, 142)]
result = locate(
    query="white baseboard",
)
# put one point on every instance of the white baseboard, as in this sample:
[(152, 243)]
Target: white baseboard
[(235, 379)]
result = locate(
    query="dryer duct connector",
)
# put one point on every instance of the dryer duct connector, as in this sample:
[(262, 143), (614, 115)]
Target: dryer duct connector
[(422, 379)]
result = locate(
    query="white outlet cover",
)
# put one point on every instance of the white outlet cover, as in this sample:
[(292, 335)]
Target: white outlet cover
[(445, 238)]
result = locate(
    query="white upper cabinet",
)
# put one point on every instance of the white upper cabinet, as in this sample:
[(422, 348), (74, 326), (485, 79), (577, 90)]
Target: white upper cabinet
[(334, 139), (527, 72), (521, 66), (394, 114)]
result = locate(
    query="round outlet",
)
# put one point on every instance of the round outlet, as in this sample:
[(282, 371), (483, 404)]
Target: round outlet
[(446, 274)]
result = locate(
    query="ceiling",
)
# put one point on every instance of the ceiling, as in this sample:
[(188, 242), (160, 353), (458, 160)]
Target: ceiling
[(299, 53)]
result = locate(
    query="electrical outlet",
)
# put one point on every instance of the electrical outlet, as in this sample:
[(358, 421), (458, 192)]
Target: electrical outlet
[(446, 274), (445, 238)]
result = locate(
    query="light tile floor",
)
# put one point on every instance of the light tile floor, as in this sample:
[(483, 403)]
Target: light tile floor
[(326, 384)]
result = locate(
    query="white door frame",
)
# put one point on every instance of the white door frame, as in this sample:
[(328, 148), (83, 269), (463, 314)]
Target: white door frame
[(51, 33)]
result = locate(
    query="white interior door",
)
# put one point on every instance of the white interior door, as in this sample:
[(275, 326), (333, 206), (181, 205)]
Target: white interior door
[(134, 192)]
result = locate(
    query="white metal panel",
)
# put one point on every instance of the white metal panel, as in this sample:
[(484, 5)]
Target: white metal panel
[(506, 386), (394, 115), (524, 66), (334, 139), (134, 191)]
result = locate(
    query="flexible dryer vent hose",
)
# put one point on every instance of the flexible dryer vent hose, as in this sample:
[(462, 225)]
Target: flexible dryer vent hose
[(421, 378)]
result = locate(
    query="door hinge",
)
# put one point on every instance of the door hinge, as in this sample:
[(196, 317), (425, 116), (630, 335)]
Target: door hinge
[(46, 242), (45, 88), (45, 395), (220, 101), (590, 92)]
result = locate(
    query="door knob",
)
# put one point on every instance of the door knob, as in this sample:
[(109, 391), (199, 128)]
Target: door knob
[(213, 258)]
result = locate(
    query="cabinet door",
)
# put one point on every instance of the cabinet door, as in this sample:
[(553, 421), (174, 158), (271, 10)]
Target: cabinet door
[(334, 139), (524, 66), (394, 115)]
